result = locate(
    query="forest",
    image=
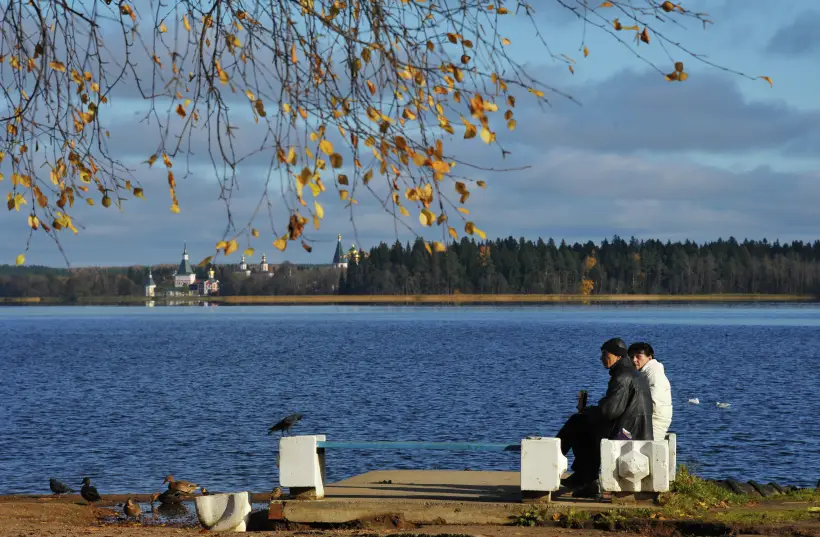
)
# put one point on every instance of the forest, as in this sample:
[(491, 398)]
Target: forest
[(614, 266)]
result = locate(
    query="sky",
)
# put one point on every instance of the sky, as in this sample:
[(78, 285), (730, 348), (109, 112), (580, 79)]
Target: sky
[(718, 155)]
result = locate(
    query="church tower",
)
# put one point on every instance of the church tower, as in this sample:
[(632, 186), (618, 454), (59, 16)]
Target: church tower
[(339, 258)]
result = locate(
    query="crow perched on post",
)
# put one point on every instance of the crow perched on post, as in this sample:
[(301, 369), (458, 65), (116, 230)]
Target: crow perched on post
[(286, 424), (58, 487)]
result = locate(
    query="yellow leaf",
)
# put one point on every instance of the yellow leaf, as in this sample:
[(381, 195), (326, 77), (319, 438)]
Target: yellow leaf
[(221, 245), (480, 233), (767, 79), (163, 28), (206, 261), (511, 124), (249, 252), (231, 247), (586, 52), (57, 66), (426, 217), (336, 160), (505, 41), (255, 233), (175, 208), (404, 211), (326, 147), (487, 136), (89, 201), (606, 4), (536, 92), (343, 194), (427, 247), (20, 259), (281, 243), (463, 210), (320, 211), (438, 247), (683, 76), (440, 166), (138, 193), (186, 23), (453, 233), (470, 131)]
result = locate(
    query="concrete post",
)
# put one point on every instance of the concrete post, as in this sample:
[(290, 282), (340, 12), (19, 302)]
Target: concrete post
[(672, 440), (301, 466), (634, 466), (224, 512), (542, 464)]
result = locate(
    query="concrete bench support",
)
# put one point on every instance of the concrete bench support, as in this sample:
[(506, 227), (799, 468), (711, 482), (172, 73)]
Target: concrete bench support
[(630, 466), (672, 440), (224, 512), (542, 464), (302, 466)]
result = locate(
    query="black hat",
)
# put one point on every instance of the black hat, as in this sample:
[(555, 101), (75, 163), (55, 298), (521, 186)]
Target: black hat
[(615, 346)]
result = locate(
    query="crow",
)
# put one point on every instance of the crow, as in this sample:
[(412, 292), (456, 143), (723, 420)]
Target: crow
[(58, 487), (286, 424), (88, 492)]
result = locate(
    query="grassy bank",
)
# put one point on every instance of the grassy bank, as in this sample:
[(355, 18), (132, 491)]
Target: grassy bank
[(421, 299)]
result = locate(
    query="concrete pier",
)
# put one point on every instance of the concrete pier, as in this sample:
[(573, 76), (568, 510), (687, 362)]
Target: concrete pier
[(423, 497)]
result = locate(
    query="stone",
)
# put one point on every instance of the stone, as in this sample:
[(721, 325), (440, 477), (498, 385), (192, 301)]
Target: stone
[(542, 463), (764, 490), (738, 487), (778, 488), (224, 512), (722, 483)]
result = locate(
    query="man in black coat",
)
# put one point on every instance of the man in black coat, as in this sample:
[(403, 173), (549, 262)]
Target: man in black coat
[(625, 412)]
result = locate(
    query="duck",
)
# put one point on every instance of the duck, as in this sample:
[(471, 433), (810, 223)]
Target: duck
[(89, 492), (275, 494), (58, 487), (183, 486), (204, 491), (131, 509), (168, 497)]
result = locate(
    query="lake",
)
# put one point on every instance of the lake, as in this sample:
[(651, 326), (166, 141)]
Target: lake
[(126, 395)]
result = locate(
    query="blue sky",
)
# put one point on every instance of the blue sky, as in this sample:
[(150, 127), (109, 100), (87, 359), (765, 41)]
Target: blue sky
[(715, 156)]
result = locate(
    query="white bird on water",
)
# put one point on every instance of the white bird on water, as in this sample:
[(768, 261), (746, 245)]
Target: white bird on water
[(694, 401), (723, 405)]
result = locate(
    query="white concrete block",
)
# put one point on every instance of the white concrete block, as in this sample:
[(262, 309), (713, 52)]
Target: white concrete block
[(542, 464), (300, 464), (224, 512), (672, 439), (634, 466)]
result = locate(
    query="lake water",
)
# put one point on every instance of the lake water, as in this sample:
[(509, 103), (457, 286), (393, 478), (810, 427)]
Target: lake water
[(126, 395)]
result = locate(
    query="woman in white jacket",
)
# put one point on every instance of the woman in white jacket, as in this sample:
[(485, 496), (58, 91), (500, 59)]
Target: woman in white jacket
[(643, 356)]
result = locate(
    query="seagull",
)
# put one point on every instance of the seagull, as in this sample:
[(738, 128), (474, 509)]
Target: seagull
[(723, 405), (286, 424), (131, 509), (58, 487), (88, 492), (694, 401)]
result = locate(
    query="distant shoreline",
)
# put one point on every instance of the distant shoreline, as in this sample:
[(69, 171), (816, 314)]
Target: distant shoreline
[(364, 300)]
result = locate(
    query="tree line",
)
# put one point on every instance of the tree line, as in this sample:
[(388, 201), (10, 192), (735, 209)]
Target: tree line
[(615, 266)]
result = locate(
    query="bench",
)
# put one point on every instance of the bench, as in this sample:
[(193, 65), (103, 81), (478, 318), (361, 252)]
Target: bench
[(302, 461), (637, 469)]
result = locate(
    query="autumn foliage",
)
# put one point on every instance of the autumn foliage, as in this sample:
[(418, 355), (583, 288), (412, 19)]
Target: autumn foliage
[(362, 97)]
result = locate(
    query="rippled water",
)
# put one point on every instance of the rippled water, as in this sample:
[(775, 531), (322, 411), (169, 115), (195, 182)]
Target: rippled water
[(127, 395)]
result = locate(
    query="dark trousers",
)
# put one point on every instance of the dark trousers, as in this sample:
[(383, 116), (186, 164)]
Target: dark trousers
[(579, 434)]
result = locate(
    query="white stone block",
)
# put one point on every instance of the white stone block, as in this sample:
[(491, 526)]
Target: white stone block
[(672, 439), (634, 466), (224, 512), (300, 463), (542, 464)]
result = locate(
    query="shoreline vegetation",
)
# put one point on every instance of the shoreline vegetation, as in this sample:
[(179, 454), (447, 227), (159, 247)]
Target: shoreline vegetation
[(452, 299)]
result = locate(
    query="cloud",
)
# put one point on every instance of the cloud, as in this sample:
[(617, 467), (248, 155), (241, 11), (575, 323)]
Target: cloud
[(642, 111), (799, 38)]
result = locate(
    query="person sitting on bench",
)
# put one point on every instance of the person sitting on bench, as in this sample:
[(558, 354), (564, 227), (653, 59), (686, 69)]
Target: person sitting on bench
[(625, 412), (643, 356)]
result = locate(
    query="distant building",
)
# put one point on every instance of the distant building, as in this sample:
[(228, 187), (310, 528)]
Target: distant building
[(184, 276), (339, 257), (210, 286), (150, 286), (263, 269)]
